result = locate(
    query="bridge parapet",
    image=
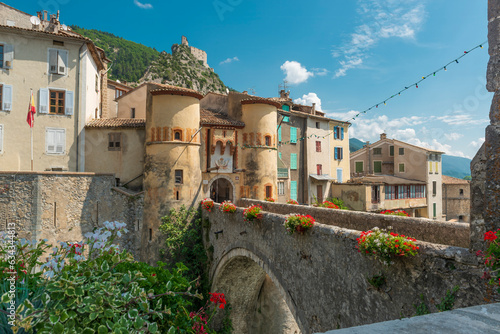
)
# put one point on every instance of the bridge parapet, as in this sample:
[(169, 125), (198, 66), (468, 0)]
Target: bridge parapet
[(444, 233), (322, 279)]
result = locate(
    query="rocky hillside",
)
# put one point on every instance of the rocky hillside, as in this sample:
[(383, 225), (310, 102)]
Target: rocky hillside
[(183, 69), (135, 63)]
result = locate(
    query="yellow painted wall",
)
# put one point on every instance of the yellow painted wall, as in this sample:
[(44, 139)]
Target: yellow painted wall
[(30, 71), (135, 99)]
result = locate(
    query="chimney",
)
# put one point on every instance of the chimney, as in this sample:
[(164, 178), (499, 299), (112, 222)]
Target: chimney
[(45, 15), (313, 109), (284, 94), (383, 136), (57, 17)]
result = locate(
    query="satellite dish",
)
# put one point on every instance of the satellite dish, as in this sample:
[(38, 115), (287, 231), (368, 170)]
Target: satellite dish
[(35, 20), (64, 27), (227, 90)]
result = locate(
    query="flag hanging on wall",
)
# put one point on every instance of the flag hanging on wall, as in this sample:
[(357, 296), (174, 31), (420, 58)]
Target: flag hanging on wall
[(31, 112)]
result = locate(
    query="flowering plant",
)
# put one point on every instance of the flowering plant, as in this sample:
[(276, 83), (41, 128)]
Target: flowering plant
[(492, 258), (252, 213), (299, 223), (269, 199), (395, 213), (384, 245), (292, 201), (329, 205), (228, 207), (201, 319), (207, 204)]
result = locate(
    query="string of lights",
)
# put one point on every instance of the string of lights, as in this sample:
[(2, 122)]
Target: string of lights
[(415, 84), (375, 106)]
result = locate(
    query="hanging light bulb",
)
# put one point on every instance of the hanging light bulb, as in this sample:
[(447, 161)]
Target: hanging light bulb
[(445, 68), (385, 103), (465, 52), (376, 106), (416, 85), (456, 60), (434, 73), (481, 46), (423, 77)]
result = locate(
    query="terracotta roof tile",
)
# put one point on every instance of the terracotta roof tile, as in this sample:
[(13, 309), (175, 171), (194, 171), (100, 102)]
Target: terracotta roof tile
[(175, 90), (255, 99), (109, 123), (60, 33), (454, 180), (209, 117)]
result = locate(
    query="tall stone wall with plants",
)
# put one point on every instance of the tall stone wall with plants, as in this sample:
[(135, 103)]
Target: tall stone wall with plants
[(60, 206), (325, 282)]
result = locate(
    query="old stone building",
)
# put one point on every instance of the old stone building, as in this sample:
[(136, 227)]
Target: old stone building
[(456, 199), (64, 71), (395, 175)]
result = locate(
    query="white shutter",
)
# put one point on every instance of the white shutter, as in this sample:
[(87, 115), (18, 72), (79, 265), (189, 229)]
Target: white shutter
[(8, 55), (52, 61), (69, 103), (1, 138), (62, 62), (7, 98), (50, 141), (43, 101), (60, 136)]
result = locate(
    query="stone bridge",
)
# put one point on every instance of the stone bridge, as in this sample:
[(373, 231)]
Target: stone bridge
[(280, 283)]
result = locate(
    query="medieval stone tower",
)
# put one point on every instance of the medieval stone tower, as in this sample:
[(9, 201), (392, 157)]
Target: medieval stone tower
[(172, 174), (260, 159)]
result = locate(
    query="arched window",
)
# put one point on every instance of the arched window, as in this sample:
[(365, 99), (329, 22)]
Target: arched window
[(268, 140), (178, 135)]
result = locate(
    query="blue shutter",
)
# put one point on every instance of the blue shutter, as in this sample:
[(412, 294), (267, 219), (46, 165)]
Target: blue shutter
[(293, 161), (335, 132), (342, 133), (336, 155), (293, 190), (341, 149), (286, 119), (69, 102), (293, 135), (285, 107), (279, 133), (43, 101), (279, 154)]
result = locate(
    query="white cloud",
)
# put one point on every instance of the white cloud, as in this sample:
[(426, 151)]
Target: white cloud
[(453, 136), (404, 135), (461, 119), (478, 143), (229, 60), (320, 71), (309, 99), (383, 19), (143, 5), (295, 72), (436, 145)]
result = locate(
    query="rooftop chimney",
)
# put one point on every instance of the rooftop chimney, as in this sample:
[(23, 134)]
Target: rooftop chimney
[(313, 109), (284, 94), (57, 17), (383, 136), (45, 15)]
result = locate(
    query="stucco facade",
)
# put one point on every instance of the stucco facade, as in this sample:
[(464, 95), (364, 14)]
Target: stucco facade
[(63, 71), (456, 199), (133, 102), (406, 161)]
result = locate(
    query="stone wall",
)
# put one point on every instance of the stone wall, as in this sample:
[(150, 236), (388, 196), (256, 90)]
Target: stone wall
[(444, 233), (323, 279), (64, 206)]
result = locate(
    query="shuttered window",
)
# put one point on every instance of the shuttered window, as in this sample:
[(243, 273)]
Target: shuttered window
[(58, 61), (114, 141), (318, 146), (359, 166), (377, 166), (293, 135), (293, 190), (55, 141), (6, 97), (279, 134), (391, 151), (293, 161)]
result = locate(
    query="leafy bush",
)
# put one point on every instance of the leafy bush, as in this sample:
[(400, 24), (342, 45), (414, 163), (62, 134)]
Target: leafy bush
[(328, 205), (338, 202), (252, 213), (94, 287), (492, 258)]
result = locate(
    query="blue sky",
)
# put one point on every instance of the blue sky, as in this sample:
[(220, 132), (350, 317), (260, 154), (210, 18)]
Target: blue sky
[(344, 55)]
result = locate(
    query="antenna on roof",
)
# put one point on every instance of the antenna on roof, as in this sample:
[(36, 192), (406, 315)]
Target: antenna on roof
[(283, 86), (35, 20)]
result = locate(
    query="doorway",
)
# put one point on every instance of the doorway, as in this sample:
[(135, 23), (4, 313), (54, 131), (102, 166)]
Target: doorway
[(221, 190)]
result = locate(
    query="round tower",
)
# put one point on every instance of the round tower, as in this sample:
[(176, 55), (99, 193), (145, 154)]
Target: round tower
[(172, 173), (259, 158)]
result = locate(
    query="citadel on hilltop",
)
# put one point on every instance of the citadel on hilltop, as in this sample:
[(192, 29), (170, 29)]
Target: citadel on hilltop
[(197, 53)]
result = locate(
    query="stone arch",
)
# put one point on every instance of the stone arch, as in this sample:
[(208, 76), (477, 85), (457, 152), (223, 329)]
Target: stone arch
[(260, 303), (221, 177)]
